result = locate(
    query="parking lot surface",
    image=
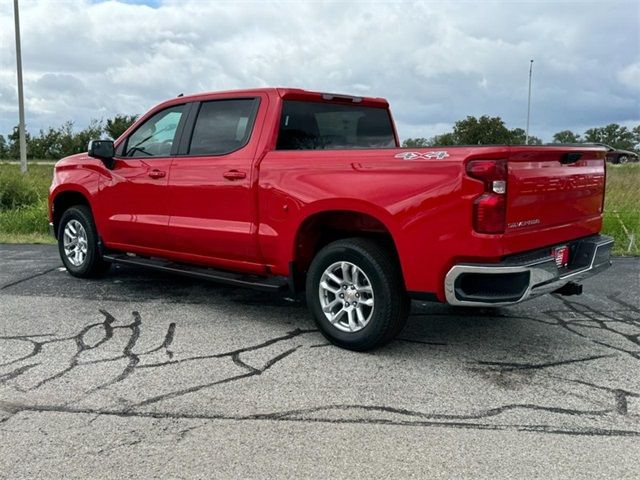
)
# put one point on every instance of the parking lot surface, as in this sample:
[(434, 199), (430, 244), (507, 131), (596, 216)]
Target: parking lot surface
[(147, 375)]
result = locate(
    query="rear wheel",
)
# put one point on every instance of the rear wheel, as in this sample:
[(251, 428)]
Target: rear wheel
[(356, 294), (78, 243), (622, 159)]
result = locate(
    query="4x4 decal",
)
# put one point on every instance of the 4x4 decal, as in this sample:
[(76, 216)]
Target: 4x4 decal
[(440, 154)]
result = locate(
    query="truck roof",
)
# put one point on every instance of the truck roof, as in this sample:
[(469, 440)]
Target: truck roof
[(292, 93)]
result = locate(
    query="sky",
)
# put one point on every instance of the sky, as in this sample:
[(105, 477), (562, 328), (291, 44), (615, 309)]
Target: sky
[(436, 62)]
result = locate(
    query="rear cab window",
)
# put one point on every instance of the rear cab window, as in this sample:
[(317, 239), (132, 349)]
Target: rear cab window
[(306, 125), (223, 126)]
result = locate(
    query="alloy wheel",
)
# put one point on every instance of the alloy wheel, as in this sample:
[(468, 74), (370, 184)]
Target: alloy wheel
[(346, 296), (75, 243)]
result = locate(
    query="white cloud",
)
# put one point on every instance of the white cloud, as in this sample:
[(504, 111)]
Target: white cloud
[(630, 76), (435, 62)]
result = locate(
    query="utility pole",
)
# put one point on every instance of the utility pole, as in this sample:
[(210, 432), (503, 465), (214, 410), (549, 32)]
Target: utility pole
[(526, 141), (21, 127)]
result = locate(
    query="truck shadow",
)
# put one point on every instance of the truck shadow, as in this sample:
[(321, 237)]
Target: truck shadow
[(528, 333)]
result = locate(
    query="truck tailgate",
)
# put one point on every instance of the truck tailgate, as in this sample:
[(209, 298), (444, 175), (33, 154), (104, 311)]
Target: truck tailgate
[(554, 186)]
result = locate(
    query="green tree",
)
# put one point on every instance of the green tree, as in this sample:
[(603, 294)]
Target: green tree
[(72, 142), (81, 139), (13, 143), (566, 136), (415, 143), (47, 145), (117, 125), (481, 131), (636, 136), (476, 131), (4, 147), (613, 135), (446, 139), (519, 137)]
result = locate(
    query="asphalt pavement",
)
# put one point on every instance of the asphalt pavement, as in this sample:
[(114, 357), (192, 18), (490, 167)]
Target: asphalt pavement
[(146, 375)]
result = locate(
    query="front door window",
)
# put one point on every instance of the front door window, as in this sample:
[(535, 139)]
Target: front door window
[(155, 137)]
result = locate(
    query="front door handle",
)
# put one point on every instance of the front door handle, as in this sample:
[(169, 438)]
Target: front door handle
[(156, 173), (234, 175)]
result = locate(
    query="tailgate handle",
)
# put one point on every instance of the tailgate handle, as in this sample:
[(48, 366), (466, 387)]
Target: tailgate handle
[(570, 157)]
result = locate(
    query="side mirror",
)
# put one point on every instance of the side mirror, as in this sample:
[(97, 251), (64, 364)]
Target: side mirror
[(103, 150)]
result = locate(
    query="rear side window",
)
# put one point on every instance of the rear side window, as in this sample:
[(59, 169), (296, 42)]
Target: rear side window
[(223, 126), (325, 126)]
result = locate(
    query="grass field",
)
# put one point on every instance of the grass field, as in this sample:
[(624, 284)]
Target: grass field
[(23, 206), (622, 208)]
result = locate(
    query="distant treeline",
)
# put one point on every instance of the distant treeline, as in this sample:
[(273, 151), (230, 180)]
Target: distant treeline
[(55, 143), (492, 130)]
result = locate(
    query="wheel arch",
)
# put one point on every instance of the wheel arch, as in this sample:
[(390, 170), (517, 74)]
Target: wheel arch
[(325, 225), (65, 199)]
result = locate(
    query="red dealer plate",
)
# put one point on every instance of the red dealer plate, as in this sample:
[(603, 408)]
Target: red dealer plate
[(561, 255)]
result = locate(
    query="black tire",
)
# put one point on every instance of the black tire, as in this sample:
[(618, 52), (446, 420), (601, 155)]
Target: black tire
[(93, 265), (392, 306)]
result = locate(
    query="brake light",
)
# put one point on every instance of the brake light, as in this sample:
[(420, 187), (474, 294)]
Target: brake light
[(490, 208)]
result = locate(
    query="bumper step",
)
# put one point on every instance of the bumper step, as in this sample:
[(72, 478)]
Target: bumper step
[(527, 275), (270, 284)]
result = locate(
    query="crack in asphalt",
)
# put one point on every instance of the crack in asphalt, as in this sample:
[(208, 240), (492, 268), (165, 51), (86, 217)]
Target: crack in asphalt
[(287, 336), (127, 351), (421, 342), (510, 366), (133, 358), (289, 416), (252, 371), (482, 414), (17, 372), (602, 320), (620, 395), (166, 343), (30, 277)]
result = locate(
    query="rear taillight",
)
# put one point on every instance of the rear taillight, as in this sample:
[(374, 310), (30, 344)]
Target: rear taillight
[(490, 208)]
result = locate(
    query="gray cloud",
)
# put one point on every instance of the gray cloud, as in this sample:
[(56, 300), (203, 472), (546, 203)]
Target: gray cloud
[(435, 62)]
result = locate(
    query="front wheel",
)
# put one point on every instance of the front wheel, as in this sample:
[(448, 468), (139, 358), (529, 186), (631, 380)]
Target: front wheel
[(78, 243), (356, 294)]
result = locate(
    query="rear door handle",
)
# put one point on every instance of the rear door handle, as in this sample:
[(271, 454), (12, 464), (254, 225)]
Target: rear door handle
[(234, 175), (156, 173)]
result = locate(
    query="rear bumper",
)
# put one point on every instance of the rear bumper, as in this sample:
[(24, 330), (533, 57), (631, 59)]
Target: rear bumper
[(523, 276)]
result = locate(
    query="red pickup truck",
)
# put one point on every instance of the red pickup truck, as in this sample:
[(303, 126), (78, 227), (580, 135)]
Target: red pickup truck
[(283, 188)]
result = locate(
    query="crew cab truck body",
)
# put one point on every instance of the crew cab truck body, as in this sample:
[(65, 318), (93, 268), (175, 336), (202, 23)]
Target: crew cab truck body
[(284, 187)]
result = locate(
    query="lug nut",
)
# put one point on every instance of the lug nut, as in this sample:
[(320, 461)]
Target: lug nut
[(342, 295), (346, 304), (357, 295), (344, 287)]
